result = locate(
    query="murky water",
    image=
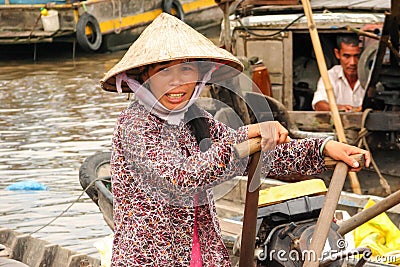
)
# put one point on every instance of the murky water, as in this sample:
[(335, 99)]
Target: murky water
[(53, 116)]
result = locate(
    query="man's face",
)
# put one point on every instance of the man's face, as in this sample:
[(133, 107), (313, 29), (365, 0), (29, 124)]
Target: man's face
[(348, 56)]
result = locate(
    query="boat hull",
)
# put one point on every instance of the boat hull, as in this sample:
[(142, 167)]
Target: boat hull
[(119, 22), (230, 199), (37, 252)]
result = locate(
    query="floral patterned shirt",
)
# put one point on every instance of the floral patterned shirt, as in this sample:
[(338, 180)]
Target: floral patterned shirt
[(157, 168)]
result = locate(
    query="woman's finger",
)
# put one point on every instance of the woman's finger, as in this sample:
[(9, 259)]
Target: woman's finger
[(272, 133), (268, 142), (283, 136), (343, 152), (350, 161)]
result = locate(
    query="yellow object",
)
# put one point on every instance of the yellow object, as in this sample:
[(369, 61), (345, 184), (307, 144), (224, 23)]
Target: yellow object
[(104, 247), (381, 236), (44, 11), (276, 194), (148, 16)]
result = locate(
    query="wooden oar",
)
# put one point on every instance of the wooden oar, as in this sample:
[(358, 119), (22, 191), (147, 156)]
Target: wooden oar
[(325, 218), (248, 241)]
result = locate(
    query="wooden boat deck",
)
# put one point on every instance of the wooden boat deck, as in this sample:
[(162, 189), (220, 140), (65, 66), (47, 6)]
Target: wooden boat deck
[(37, 252), (24, 37)]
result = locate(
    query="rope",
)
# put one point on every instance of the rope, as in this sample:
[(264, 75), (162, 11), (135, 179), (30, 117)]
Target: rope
[(363, 141), (267, 35), (119, 29), (64, 211), (84, 7), (34, 26)]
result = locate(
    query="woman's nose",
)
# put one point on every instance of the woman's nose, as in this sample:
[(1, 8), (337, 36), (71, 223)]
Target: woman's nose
[(175, 77)]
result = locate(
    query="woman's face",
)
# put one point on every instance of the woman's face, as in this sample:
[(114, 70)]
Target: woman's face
[(173, 83)]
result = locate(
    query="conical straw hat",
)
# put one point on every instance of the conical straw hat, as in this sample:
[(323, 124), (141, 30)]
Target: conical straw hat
[(168, 38)]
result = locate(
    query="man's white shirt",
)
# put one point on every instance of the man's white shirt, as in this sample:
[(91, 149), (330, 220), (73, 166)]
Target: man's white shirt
[(341, 88)]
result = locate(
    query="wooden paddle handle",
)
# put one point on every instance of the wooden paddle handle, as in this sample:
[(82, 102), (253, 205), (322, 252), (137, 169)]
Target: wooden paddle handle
[(253, 145), (248, 147)]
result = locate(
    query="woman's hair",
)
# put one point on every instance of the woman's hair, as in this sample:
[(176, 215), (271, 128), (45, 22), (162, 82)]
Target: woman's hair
[(138, 74), (200, 126)]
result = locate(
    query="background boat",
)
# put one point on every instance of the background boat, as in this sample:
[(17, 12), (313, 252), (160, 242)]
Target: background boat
[(95, 24)]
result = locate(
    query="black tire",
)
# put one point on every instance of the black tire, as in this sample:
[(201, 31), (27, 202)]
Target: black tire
[(366, 63), (168, 5), (88, 172), (90, 42)]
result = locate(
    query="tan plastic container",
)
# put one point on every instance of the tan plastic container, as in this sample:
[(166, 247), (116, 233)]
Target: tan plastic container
[(51, 22)]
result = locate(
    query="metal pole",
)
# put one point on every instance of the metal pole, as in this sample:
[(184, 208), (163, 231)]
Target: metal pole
[(34, 51)]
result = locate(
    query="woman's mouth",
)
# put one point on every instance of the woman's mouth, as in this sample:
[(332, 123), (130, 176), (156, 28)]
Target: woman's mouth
[(179, 95), (175, 98)]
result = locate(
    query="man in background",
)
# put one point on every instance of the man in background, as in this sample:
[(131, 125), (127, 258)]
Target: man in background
[(348, 91)]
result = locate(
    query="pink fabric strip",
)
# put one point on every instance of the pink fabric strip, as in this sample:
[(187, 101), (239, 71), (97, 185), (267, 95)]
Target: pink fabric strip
[(196, 260)]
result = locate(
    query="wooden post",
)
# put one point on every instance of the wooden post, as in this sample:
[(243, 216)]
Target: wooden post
[(250, 214), (325, 218), (355, 185), (225, 5)]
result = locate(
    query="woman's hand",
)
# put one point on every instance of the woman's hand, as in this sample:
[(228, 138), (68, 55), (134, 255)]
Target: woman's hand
[(342, 152), (272, 133)]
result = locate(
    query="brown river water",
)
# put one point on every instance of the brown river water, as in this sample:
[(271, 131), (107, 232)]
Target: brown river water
[(53, 116)]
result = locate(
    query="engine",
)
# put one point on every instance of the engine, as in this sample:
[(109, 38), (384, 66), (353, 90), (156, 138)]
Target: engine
[(286, 219)]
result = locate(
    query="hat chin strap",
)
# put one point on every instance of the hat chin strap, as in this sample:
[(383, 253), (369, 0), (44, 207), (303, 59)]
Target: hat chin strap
[(147, 99)]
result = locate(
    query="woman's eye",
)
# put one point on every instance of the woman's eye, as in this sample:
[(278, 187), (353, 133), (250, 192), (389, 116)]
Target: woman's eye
[(162, 71), (187, 68)]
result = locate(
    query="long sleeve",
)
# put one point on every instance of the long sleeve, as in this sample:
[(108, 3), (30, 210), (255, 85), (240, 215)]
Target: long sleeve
[(297, 157), (168, 157)]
